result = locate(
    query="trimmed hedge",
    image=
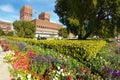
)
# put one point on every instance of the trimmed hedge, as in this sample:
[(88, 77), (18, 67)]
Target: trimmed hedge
[(80, 49)]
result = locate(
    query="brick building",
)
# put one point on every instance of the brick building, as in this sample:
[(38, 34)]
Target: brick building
[(44, 27), (26, 13), (6, 26)]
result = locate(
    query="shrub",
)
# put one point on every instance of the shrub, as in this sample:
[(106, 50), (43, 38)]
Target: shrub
[(79, 49)]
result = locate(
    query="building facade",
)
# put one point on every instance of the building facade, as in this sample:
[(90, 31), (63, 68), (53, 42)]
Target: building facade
[(26, 13), (6, 26), (44, 27)]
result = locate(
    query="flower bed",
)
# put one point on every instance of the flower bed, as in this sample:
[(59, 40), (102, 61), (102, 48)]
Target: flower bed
[(45, 64), (39, 63)]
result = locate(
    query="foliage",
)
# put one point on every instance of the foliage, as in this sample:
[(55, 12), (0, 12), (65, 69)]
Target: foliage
[(9, 56), (101, 18), (96, 65), (81, 50), (1, 32), (10, 33), (24, 29), (63, 32)]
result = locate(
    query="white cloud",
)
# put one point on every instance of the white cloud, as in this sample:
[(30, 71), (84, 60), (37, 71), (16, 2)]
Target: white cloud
[(7, 8)]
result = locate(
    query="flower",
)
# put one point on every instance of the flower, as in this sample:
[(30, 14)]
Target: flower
[(109, 71), (63, 67), (58, 67), (48, 69), (54, 68), (68, 77), (105, 69), (61, 70), (31, 55), (78, 79), (81, 69), (29, 76)]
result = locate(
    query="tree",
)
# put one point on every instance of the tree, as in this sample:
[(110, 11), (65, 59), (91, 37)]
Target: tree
[(10, 33), (86, 17), (1, 32), (63, 32), (24, 29)]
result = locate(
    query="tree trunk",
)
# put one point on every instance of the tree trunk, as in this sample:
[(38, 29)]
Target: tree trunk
[(85, 37)]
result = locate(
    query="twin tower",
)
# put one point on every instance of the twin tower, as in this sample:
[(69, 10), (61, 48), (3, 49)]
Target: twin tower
[(26, 14)]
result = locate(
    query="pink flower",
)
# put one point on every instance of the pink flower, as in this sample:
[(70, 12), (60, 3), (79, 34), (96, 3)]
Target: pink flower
[(63, 67), (68, 77), (78, 79)]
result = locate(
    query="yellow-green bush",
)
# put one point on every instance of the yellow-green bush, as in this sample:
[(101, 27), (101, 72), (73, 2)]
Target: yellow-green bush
[(80, 49)]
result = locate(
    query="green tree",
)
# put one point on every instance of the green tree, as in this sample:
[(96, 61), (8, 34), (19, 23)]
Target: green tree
[(1, 32), (63, 32), (24, 29), (86, 17), (10, 33)]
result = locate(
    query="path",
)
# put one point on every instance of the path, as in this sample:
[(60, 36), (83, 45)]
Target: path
[(4, 73)]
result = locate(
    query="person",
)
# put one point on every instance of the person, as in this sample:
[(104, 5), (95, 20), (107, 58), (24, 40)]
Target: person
[(117, 41)]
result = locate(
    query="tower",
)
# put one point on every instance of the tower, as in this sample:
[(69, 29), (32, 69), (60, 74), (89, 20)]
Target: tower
[(44, 16), (26, 13)]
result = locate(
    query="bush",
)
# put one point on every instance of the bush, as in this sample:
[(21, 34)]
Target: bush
[(79, 49)]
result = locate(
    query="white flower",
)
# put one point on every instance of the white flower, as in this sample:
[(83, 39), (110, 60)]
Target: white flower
[(61, 70), (29, 76), (18, 75), (56, 78), (0, 48), (63, 74), (53, 71), (69, 73), (58, 72), (58, 67), (100, 57)]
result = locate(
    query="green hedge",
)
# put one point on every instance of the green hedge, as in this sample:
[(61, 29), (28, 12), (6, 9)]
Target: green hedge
[(80, 49)]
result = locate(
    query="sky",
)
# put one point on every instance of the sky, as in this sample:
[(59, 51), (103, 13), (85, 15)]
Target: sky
[(10, 9)]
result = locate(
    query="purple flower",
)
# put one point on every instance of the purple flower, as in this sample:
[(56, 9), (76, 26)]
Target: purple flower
[(116, 73), (119, 64), (105, 69), (109, 71)]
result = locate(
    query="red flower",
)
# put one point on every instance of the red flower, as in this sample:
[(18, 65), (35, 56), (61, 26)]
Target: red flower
[(81, 69), (54, 68), (68, 77), (48, 69), (31, 54), (20, 62), (78, 79)]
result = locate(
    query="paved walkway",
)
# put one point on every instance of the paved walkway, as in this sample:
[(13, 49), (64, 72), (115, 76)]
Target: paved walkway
[(4, 73)]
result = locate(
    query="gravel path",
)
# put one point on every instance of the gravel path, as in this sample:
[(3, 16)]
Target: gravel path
[(4, 73)]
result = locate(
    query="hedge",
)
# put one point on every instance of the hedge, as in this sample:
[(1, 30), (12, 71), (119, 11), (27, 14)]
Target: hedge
[(79, 49)]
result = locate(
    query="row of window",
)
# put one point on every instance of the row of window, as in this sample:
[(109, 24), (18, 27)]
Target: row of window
[(4, 26), (43, 27)]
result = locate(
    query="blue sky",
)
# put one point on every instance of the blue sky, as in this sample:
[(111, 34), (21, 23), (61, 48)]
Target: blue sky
[(10, 9)]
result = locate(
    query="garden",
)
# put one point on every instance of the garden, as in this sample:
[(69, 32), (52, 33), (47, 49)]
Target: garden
[(61, 59)]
